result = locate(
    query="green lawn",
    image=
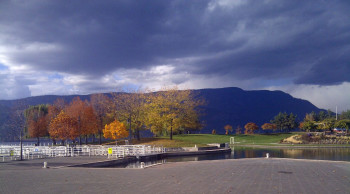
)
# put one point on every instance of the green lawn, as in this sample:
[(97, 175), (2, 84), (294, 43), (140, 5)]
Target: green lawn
[(202, 139)]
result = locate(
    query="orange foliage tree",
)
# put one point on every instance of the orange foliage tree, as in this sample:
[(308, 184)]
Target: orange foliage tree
[(36, 121), (37, 128), (268, 126), (115, 130), (84, 116), (101, 105), (53, 111), (89, 123), (250, 128), (63, 127), (227, 129)]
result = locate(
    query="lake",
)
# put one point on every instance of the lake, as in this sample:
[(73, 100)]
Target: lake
[(335, 154)]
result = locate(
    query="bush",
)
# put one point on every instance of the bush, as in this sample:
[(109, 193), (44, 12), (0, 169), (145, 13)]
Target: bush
[(306, 137), (213, 132)]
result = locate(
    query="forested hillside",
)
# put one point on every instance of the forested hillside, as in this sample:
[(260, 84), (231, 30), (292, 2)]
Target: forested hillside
[(232, 106)]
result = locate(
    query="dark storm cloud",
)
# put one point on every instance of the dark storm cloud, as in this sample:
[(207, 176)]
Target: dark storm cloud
[(307, 41)]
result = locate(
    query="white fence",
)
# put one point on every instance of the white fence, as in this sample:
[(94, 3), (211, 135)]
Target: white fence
[(31, 152)]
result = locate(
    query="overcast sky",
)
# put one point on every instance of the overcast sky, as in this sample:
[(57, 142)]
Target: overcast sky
[(81, 47)]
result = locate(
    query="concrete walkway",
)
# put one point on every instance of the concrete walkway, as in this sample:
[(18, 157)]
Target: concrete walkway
[(257, 175)]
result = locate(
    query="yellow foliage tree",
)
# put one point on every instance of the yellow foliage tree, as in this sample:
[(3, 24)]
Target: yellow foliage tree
[(130, 107), (115, 130), (173, 110)]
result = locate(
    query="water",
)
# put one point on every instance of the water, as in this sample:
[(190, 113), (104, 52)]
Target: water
[(336, 154)]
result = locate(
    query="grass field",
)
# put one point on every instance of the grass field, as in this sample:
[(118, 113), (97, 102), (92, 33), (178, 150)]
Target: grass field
[(242, 139), (203, 139)]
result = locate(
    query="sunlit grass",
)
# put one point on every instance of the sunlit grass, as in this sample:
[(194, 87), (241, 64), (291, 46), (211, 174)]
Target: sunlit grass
[(166, 142), (201, 140), (190, 140), (242, 139)]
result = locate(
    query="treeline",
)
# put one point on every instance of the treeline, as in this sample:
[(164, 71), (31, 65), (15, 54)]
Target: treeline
[(325, 121), (119, 116), (282, 122)]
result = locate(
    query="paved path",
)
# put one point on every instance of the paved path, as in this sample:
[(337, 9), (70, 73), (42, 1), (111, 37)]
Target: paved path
[(258, 175)]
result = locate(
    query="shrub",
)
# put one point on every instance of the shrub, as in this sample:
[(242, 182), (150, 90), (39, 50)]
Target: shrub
[(213, 132), (306, 137)]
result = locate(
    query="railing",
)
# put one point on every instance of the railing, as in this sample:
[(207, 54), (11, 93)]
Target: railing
[(8, 152)]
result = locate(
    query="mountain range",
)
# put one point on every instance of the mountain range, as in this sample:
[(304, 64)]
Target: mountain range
[(232, 106)]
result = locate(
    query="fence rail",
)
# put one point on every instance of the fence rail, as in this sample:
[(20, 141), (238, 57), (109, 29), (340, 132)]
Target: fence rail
[(8, 152)]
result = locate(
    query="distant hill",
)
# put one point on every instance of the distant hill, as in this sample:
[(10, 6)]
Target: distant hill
[(235, 106), (232, 106)]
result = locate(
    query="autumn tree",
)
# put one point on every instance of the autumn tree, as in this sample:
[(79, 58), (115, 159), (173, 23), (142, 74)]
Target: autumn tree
[(75, 111), (63, 127), (268, 126), (53, 111), (130, 108), (308, 126), (250, 128), (227, 129), (36, 121), (83, 115), (90, 122), (115, 130), (326, 124), (173, 110), (102, 105)]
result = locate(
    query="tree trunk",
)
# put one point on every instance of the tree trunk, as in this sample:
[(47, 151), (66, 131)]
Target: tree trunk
[(171, 129), (86, 139), (99, 140), (62, 142), (138, 134), (80, 140), (38, 141), (130, 132), (93, 138), (100, 132)]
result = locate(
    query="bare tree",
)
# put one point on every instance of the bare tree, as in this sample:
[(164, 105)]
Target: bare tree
[(17, 123)]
